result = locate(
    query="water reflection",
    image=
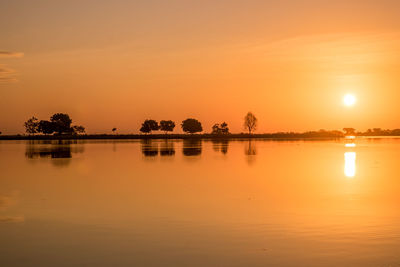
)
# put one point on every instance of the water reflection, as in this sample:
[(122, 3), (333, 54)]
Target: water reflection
[(350, 145), (350, 164), (149, 148), (167, 148), (265, 214), (59, 151), (350, 158), (220, 146), (152, 148), (191, 147), (250, 151)]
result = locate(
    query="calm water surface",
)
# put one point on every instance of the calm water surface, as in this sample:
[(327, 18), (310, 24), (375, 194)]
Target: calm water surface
[(200, 203)]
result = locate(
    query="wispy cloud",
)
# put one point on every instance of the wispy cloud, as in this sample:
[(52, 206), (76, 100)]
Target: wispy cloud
[(4, 202), (8, 200), (7, 54), (8, 75), (12, 219), (347, 51)]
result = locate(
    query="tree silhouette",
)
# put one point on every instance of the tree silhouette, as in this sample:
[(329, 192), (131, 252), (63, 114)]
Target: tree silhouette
[(62, 123), (224, 128), (250, 122), (377, 131), (46, 127), (78, 129), (220, 128), (191, 126), (114, 130), (167, 126), (349, 131), (149, 125), (31, 125), (215, 129)]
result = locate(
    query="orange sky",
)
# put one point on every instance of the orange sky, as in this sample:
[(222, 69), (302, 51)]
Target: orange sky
[(115, 63)]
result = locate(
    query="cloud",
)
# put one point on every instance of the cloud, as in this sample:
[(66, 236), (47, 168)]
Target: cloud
[(8, 200), (341, 51), (4, 202), (8, 75), (12, 219), (7, 54)]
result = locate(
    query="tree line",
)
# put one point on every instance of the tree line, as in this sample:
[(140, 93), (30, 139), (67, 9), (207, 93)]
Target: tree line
[(59, 123), (192, 126), (372, 132)]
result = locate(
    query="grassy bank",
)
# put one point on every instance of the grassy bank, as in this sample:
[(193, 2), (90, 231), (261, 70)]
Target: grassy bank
[(171, 136)]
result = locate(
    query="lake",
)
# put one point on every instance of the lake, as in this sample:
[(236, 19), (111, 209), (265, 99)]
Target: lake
[(200, 203)]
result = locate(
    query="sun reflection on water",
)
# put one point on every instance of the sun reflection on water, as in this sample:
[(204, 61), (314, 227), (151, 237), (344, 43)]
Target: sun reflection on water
[(350, 164), (350, 145)]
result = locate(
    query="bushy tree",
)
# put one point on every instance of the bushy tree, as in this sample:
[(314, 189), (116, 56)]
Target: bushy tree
[(349, 131), (61, 123), (250, 122), (148, 126), (215, 129), (191, 126), (220, 128), (167, 126), (78, 129), (31, 125), (46, 127)]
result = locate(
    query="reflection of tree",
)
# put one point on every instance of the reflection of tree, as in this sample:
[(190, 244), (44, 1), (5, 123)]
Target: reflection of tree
[(250, 151), (149, 148), (167, 148), (59, 151), (220, 145), (53, 152), (191, 147)]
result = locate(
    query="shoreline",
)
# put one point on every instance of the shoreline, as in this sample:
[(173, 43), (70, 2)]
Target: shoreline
[(281, 136)]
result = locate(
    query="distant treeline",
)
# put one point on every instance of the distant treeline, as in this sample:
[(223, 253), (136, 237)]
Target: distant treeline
[(59, 126), (372, 132)]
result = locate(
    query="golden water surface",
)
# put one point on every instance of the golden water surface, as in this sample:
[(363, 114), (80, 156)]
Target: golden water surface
[(200, 203)]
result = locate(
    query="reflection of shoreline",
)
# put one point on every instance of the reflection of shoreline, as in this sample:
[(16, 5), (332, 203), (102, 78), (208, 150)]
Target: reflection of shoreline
[(59, 151), (250, 151), (167, 148), (220, 145), (153, 149), (149, 148), (192, 147)]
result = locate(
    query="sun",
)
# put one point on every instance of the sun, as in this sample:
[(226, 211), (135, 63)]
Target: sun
[(349, 100)]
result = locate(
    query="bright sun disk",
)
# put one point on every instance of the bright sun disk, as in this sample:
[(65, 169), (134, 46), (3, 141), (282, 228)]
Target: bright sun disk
[(349, 100)]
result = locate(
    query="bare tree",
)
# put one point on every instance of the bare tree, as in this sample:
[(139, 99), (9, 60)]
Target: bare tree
[(250, 122), (31, 125)]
